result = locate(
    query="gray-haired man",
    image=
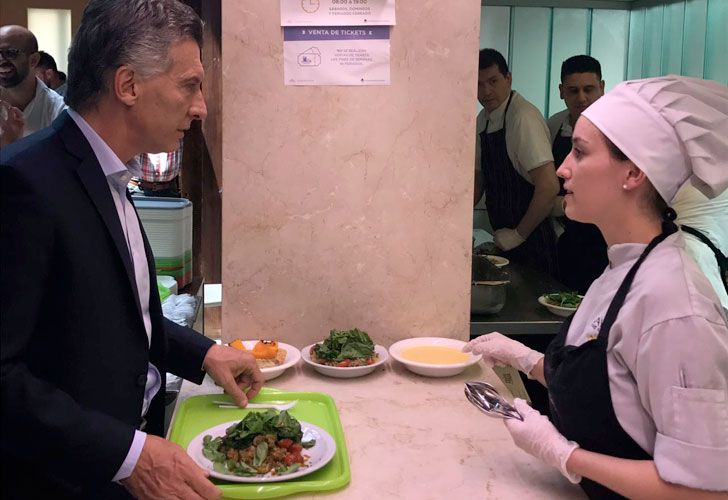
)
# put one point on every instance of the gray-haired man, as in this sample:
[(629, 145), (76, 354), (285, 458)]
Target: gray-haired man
[(84, 346)]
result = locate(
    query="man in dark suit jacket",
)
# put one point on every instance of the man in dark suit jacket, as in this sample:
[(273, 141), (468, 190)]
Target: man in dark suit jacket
[(85, 347)]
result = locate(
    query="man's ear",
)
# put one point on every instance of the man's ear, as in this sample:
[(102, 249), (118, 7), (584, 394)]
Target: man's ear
[(125, 85)]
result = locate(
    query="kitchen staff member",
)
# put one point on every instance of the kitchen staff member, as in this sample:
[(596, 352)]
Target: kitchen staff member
[(638, 376), (581, 249), (514, 156)]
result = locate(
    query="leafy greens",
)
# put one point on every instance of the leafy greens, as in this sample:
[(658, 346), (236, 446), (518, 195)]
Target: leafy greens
[(345, 344), (564, 299), (282, 424)]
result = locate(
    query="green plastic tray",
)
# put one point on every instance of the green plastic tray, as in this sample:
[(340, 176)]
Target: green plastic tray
[(198, 413)]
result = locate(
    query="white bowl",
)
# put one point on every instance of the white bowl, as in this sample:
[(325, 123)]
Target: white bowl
[(432, 370), (557, 310), (497, 260), (293, 355), (341, 372)]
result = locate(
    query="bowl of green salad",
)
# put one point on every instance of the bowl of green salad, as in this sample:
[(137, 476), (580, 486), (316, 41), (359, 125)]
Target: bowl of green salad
[(561, 303), (345, 354)]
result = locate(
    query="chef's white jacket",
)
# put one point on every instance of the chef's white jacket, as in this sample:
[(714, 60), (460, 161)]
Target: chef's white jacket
[(667, 359)]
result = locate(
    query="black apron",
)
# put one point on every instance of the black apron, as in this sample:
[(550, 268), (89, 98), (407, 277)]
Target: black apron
[(578, 386), (722, 259), (507, 196), (581, 249)]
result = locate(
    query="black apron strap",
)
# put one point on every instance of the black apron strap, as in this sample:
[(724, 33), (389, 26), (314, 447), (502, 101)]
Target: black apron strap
[(505, 113), (722, 259)]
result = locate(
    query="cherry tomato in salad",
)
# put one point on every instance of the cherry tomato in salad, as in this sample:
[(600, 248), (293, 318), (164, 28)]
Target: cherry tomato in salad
[(285, 443), (344, 364), (296, 448)]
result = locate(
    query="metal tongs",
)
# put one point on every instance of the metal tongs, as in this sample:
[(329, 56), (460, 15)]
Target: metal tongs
[(485, 398)]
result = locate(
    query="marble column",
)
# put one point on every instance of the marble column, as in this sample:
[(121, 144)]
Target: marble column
[(344, 206)]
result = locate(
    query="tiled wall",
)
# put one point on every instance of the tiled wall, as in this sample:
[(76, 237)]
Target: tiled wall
[(687, 37)]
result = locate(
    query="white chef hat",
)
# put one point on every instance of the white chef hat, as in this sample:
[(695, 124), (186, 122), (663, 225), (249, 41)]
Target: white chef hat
[(674, 128)]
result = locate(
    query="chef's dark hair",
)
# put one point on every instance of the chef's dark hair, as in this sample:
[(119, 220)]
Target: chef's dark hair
[(580, 64), (489, 57), (115, 33), (653, 200)]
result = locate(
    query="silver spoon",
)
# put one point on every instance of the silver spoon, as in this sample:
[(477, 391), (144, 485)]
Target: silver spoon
[(484, 397)]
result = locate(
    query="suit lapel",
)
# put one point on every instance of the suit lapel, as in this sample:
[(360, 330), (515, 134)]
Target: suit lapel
[(97, 187)]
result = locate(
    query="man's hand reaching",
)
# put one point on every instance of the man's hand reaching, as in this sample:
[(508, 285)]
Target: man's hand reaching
[(235, 371)]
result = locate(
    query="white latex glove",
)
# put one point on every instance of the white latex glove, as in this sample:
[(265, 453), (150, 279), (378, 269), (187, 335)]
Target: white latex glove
[(498, 349), (507, 239), (537, 436)]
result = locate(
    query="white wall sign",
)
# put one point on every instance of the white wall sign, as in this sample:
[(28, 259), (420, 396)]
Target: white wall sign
[(337, 12), (344, 55)]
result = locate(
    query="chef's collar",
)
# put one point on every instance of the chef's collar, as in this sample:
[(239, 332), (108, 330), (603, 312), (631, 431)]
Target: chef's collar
[(621, 253)]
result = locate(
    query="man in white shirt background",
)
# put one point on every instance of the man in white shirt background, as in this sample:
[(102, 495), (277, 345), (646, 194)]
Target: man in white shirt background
[(581, 249), (514, 167), (26, 103)]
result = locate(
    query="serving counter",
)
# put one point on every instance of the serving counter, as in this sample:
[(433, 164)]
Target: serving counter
[(413, 437)]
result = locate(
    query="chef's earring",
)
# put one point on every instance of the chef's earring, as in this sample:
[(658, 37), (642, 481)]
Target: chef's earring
[(624, 186)]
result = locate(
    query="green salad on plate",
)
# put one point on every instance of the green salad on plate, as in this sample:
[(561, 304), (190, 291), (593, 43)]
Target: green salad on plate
[(564, 299), (345, 348), (262, 443)]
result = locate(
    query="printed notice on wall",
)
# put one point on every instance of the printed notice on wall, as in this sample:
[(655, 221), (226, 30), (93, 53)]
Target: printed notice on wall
[(341, 55), (337, 12)]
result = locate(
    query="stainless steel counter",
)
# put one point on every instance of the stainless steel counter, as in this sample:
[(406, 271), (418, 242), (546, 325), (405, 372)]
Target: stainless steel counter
[(522, 314)]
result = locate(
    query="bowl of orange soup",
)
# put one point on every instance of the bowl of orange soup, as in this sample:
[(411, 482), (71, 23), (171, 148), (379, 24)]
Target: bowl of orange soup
[(433, 356)]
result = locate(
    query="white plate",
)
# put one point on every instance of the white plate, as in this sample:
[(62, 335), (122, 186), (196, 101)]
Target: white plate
[(430, 370), (557, 310), (348, 372), (497, 260), (319, 454), (292, 357)]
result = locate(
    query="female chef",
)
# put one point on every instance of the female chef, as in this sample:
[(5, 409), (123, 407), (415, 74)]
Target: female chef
[(638, 376)]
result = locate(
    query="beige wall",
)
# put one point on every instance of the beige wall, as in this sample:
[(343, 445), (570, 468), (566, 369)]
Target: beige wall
[(16, 11), (349, 206)]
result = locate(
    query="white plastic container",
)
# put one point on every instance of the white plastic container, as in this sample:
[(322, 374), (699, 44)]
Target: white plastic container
[(168, 225)]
